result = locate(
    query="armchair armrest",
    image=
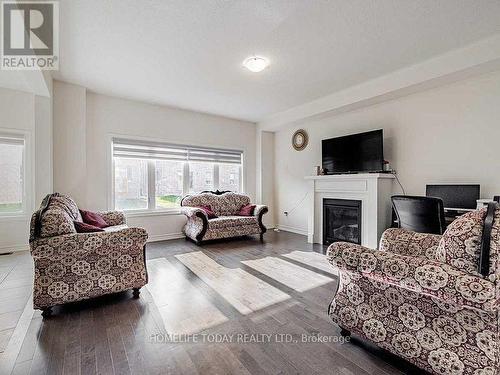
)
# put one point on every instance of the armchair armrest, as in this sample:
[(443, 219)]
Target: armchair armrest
[(80, 244), (113, 218), (192, 212), (197, 223), (416, 274), (260, 209), (406, 242)]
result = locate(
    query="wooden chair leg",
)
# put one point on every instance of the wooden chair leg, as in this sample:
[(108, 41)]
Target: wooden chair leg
[(262, 237), (344, 332), (46, 312), (136, 292)]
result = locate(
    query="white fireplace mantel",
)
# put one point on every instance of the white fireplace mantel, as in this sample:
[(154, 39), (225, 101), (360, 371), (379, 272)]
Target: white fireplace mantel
[(374, 190)]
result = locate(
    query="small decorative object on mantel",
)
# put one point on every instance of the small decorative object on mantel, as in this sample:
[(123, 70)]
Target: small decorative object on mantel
[(300, 140), (319, 171)]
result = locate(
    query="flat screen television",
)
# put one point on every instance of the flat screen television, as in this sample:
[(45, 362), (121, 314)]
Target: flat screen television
[(455, 196), (363, 152)]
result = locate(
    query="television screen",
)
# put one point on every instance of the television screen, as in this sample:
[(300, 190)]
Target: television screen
[(363, 152), (455, 196)]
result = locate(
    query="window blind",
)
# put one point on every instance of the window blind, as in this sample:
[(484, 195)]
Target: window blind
[(11, 139), (126, 148)]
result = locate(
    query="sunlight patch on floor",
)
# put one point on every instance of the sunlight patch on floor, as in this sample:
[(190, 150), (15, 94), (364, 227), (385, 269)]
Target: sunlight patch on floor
[(245, 292), (289, 274), (183, 307), (312, 259)]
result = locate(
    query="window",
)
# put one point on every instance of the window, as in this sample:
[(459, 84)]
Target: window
[(155, 176), (169, 179), (11, 174), (201, 176), (229, 177), (131, 184)]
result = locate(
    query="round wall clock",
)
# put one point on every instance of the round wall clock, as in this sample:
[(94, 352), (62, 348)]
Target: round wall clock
[(300, 139)]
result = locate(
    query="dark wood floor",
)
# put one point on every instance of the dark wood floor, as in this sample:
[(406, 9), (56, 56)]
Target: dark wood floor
[(205, 299)]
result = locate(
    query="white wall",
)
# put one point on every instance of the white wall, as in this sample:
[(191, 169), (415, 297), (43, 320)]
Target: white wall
[(265, 174), (31, 115), (43, 147), (70, 163), (105, 116), (445, 135)]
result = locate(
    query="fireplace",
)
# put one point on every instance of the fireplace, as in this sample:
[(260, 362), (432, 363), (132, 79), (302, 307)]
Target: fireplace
[(341, 221), (372, 190)]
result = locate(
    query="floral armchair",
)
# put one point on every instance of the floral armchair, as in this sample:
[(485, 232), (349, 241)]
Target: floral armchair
[(433, 300), (227, 224), (72, 266)]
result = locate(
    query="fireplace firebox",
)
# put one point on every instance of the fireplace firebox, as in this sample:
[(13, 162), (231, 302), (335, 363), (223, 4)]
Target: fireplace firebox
[(341, 221)]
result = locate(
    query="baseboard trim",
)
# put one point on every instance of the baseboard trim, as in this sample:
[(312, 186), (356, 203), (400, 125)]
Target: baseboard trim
[(289, 228), (165, 237), (14, 248)]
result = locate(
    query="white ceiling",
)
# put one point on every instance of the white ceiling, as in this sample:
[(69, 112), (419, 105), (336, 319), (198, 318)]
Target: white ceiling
[(188, 53)]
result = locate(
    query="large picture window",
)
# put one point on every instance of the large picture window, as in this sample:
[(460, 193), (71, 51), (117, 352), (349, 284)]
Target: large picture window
[(155, 176), (11, 174)]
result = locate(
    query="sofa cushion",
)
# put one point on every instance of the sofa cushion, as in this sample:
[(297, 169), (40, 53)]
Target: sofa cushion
[(116, 228), (231, 221), (56, 222), (226, 204), (94, 219), (460, 245), (67, 204), (57, 219)]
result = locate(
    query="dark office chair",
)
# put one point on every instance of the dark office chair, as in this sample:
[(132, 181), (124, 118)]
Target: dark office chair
[(496, 198), (419, 214)]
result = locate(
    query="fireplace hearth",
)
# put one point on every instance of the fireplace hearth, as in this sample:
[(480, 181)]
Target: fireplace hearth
[(341, 221)]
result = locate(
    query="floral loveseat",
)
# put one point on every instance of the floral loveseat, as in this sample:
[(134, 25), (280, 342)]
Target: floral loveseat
[(423, 297), (200, 228), (71, 266)]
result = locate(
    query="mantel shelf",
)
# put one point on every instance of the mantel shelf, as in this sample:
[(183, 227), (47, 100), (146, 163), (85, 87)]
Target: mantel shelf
[(353, 176)]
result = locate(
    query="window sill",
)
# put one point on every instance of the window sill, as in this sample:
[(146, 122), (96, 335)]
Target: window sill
[(14, 217), (173, 211)]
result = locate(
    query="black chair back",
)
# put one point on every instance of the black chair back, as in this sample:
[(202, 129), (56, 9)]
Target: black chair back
[(419, 214), (484, 259)]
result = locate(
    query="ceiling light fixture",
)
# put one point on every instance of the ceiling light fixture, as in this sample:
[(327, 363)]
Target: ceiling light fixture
[(256, 63)]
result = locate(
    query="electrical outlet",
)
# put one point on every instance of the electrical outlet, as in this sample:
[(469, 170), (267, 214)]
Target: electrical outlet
[(285, 213)]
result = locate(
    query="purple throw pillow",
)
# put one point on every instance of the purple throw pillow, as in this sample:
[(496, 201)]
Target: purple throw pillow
[(86, 228), (94, 219), (246, 210), (208, 210)]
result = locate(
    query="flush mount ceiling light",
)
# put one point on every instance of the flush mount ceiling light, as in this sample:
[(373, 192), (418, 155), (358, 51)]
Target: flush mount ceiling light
[(256, 63)]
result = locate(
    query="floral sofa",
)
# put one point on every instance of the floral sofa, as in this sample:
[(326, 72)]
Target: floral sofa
[(423, 297), (71, 266), (226, 205)]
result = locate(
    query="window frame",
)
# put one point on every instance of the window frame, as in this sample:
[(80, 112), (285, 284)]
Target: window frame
[(152, 210), (28, 191)]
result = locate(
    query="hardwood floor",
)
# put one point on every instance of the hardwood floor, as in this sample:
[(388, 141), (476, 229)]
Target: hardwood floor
[(235, 307)]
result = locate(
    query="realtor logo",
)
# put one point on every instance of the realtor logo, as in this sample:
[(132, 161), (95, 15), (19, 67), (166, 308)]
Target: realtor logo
[(30, 35)]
